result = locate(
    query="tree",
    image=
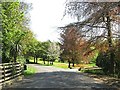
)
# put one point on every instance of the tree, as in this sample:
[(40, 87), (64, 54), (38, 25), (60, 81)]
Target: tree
[(33, 48), (53, 51), (71, 45), (45, 46), (95, 21), (13, 29)]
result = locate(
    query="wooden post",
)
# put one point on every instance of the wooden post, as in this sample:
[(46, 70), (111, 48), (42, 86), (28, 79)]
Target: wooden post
[(4, 72)]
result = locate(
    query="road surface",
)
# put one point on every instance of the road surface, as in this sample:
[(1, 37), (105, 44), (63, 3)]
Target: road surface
[(52, 77)]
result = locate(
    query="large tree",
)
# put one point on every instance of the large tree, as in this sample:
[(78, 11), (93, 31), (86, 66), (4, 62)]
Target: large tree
[(53, 51), (97, 20), (71, 45), (14, 26)]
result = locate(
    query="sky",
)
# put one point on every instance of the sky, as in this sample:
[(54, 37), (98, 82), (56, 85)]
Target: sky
[(46, 16)]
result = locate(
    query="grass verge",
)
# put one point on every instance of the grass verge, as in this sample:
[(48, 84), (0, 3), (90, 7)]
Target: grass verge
[(29, 71), (94, 71)]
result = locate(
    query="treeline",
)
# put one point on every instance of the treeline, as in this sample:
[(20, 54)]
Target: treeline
[(18, 41), (47, 51)]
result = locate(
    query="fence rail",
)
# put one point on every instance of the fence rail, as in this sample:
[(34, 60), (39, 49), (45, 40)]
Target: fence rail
[(10, 71)]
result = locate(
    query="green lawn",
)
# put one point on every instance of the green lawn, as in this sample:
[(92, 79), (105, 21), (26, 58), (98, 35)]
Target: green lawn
[(56, 64), (29, 71), (60, 65), (92, 64), (63, 65)]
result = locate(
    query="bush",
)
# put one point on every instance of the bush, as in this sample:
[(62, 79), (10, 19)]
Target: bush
[(95, 71), (117, 67), (103, 61)]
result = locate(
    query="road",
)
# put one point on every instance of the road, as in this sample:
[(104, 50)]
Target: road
[(52, 77)]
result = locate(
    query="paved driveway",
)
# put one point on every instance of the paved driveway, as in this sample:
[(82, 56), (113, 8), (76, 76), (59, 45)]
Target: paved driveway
[(52, 77)]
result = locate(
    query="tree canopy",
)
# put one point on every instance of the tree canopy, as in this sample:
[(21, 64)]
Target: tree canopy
[(97, 21), (14, 29)]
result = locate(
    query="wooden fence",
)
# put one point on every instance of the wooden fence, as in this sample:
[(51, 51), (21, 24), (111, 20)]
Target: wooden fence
[(9, 72)]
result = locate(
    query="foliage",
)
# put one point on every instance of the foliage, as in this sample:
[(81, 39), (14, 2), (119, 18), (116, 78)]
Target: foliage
[(97, 22), (103, 61), (71, 45), (45, 46), (94, 71), (13, 29), (48, 51), (53, 51)]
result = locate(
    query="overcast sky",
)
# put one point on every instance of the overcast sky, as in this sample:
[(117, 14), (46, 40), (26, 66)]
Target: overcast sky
[(46, 16)]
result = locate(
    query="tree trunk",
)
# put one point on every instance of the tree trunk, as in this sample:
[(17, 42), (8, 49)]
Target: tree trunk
[(15, 54), (68, 64), (15, 58), (73, 64), (48, 62), (52, 62), (34, 59), (109, 37), (44, 61)]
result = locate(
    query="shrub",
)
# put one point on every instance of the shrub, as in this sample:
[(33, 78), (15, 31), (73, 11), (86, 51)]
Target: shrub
[(103, 61)]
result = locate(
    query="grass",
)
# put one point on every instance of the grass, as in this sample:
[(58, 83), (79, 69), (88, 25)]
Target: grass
[(55, 64), (85, 65), (64, 65), (92, 64), (60, 65), (29, 71), (94, 71)]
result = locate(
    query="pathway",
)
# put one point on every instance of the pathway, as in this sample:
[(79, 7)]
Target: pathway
[(52, 77)]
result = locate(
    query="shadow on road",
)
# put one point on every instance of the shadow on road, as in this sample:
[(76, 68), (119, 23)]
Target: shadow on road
[(63, 80)]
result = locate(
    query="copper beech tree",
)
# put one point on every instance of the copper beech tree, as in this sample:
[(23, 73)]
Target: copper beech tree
[(71, 45)]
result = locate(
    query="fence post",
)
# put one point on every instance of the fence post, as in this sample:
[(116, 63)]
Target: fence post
[(22, 68), (13, 70), (4, 71)]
